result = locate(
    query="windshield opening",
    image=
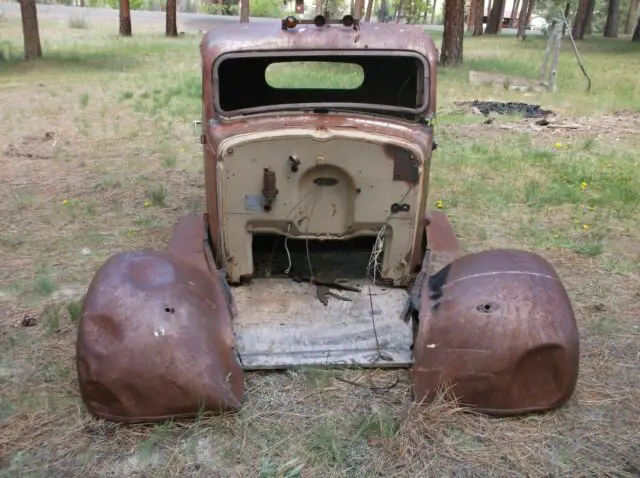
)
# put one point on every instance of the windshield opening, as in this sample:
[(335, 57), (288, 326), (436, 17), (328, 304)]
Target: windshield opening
[(248, 83)]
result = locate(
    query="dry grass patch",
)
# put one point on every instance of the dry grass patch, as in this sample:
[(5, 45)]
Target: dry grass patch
[(102, 157)]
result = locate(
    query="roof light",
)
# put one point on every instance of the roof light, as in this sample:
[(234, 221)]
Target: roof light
[(289, 22), (347, 20)]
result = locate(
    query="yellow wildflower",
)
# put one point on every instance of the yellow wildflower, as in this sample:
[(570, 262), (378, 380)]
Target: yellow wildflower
[(585, 227), (583, 185), (439, 203), (147, 204), (65, 202)]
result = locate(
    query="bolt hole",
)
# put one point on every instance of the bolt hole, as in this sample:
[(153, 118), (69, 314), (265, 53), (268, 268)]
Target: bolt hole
[(487, 307), (169, 310)]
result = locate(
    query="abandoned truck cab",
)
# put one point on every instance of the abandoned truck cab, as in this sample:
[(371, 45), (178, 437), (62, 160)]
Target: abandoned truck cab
[(316, 246), (317, 133)]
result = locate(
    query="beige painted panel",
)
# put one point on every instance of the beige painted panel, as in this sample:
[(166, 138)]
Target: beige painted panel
[(358, 203)]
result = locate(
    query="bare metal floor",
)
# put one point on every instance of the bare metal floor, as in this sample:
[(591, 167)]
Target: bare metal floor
[(282, 323)]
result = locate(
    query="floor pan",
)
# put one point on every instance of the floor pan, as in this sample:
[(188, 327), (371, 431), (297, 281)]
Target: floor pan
[(282, 323)]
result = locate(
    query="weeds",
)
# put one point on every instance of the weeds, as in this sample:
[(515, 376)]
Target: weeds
[(170, 161), (159, 195), (84, 99), (45, 284), (74, 309)]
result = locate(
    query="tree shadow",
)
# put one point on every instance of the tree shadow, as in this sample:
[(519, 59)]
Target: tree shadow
[(64, 63), (114, 54)]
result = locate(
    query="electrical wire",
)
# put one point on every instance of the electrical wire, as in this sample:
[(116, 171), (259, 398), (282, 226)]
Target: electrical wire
[(286, 248)]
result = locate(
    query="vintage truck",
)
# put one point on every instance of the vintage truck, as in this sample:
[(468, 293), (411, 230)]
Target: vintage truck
[(317, 247)]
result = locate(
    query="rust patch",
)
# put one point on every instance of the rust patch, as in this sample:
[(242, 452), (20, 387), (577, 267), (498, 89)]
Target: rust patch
[(441, 239), (269, 191), (187, 241), (405, 165)]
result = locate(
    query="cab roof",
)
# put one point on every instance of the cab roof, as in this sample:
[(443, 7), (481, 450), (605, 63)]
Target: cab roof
[(269, 36)]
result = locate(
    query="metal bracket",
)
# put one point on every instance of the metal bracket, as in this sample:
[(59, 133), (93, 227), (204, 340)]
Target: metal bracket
[(197, 123), (203, 137)]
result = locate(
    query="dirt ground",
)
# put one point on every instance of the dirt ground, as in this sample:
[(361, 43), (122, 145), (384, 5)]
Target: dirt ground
[(95, 163)]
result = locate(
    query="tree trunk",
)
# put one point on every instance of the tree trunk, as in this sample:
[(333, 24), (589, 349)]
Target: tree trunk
[(567, 7), (433, 12), (504, 6), (578, 29), (472, 15), (399, 11), (522, 20), (494, 21), (613, 19), (383, 11), (636, 32), (30, 30), (358, 9), (170, 17), (477, 24), (367, 15), (532, 3), (631, 16), (453, 35), (588, 26), (125, 18), (244, 11), (514, 13)]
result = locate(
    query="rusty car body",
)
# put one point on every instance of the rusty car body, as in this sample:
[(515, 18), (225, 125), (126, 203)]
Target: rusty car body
[(317, 247)]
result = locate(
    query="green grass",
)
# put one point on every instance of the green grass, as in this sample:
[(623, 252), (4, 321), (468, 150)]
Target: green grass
[(316, 74), (126, 166), (601, 57)]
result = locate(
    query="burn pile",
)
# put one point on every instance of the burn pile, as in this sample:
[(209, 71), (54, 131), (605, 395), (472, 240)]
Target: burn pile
[(506, 108)]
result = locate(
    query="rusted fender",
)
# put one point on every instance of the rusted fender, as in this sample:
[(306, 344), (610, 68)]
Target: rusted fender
[(155, 341), (497, 325), (441, 240)]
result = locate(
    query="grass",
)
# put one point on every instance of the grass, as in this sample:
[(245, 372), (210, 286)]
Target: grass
[(78, 22), (121, 165), (314, 74)]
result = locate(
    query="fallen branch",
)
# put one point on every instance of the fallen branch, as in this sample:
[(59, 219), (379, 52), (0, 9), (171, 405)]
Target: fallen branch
[(575, 50), (564, 126)]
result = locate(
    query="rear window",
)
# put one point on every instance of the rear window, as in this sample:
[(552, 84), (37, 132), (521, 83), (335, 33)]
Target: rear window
[(247, 83), (314, 75)]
